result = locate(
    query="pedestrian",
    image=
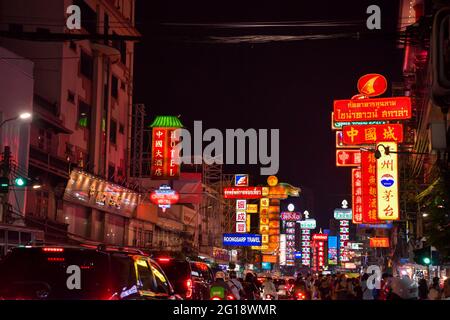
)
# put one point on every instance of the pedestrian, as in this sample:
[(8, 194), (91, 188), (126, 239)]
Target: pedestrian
[(423, 289), (435, 292), (351, 295), (367, 294), (446, 292), (236, 287), (251, 291), (315, 293), (324, 289), (341, 288), (357, 289)]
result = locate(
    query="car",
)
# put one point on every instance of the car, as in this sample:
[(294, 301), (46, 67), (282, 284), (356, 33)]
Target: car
[(282, 287), (191, 279), (81, 273)]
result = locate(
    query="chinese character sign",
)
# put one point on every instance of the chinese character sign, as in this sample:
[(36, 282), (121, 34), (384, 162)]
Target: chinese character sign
[(369, 187), (387, 182), (306, 245), (344, 237), (348, 158), (357, 195), (370, 134), (165, 164)]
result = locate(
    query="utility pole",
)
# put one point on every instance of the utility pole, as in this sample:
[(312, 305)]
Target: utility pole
[(6, 170)]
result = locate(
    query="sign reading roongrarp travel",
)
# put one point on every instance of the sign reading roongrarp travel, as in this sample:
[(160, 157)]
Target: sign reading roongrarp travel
[(243, 239)]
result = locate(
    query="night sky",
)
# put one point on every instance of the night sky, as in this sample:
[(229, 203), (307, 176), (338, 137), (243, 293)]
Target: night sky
[(196, 72)]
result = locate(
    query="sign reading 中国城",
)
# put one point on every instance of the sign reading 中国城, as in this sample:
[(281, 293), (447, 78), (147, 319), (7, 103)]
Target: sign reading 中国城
[(394, 108), (370, 134), (243, 240), (343, 214), (387, 182)]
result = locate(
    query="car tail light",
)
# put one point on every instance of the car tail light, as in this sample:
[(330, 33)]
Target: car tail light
[(53, 249), (215, 298), (189, 288), (54, 259), (163, 259), (230, 297)]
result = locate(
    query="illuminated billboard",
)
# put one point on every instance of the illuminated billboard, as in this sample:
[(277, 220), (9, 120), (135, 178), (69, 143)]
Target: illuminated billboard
[(348, 158), (395, 108), (387, 182), (242, 192), (165, 162), (357, 196), (369, 187)]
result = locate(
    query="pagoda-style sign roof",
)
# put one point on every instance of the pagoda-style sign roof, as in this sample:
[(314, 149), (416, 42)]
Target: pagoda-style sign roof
[(166, 122)]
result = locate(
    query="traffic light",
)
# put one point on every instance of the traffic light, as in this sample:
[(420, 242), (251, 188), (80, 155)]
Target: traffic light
[(423, 256), (4, 184), (20, 182)]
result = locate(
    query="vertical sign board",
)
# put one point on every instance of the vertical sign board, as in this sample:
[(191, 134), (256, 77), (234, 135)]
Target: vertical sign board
[(165, 164), (387, 182), (332, 251), (264, 220), (306, 247), (241, 216), (282, 249), (369, 187), (344, 237), (357, 196)]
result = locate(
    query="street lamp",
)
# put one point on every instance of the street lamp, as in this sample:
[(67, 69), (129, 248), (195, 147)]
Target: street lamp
[(387, 151), (21, 116)]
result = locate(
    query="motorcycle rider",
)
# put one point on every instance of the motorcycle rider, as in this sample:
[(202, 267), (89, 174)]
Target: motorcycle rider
[(269, 288), (236, 287), (219, 288)]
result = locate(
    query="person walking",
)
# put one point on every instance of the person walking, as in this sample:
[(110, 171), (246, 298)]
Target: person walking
[(341, 288), (446, 291), (423, 289), (435, 292), (357, 289), (367, 294)]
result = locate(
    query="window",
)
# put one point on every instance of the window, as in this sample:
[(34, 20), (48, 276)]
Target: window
[(86, 65), (89, 17), (162, 285), (114, 86), (121, 128), (45, 140), (70, 96), (145, 281), (84, 114), (113, 131)]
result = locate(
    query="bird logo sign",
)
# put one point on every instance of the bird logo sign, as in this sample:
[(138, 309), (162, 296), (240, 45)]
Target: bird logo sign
[(241, 180)]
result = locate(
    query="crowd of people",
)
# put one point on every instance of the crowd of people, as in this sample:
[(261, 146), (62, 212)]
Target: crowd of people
[(336, 287)]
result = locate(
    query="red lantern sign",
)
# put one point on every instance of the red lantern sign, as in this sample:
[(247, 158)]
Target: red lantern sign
[(164, 197), (372, 85), (370, 134), (369, 187)]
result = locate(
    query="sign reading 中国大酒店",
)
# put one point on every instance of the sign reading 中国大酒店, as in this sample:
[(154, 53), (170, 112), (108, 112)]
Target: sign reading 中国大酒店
[(165, 164), (387, 182), (244, 240), (395, 108)]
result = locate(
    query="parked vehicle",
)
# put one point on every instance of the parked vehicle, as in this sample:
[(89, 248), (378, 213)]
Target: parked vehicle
[(70, 272), (190, 279)]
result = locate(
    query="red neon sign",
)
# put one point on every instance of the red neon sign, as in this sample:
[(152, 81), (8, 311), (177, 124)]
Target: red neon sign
[(357, 196), (319, 237), (370, 134), (369, 187), (242, 192), (164, 197), (348, 158), (372, 84), (396, 108), (165, 164)]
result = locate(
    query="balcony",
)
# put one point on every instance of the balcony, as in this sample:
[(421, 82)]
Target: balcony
[(49, 162)]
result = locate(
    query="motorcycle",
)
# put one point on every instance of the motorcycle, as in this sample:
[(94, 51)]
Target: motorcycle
[(299, 296), (228, 297), (269, 297)]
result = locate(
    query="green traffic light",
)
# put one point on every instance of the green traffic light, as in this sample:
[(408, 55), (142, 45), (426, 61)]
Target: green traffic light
[(20, 182), (426, 260)]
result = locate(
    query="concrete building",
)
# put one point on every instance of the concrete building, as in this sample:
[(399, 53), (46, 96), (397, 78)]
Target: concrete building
[(80, 134)]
